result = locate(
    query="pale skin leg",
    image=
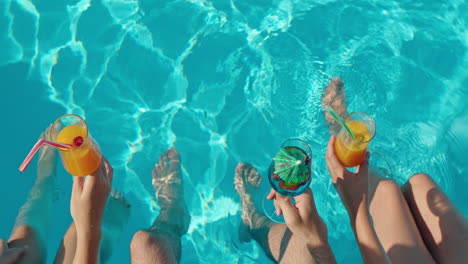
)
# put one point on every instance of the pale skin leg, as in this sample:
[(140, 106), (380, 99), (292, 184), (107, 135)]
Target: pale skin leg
[(392, 219), (161, 243), (25, 235), (442, 226), (276, 239), (115, 218), (395, 225), (33, 218)]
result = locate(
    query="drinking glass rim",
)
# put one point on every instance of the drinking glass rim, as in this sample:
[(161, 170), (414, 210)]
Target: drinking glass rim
[(85, 136), (373, 122), (308, 150)]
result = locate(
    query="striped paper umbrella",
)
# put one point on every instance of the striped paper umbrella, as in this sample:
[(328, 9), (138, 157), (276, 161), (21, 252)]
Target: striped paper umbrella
[(290, 166)]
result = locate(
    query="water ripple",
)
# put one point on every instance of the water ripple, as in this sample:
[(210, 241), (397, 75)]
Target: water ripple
[(229, 81)]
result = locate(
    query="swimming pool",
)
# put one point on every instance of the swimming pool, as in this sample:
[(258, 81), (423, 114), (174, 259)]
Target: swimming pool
[(228, 81)]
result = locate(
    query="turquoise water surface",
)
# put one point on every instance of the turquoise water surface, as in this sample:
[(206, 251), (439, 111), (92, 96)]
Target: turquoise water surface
[(229, 81)]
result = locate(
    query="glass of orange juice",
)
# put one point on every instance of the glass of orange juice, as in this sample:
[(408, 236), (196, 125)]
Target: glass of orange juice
[(84, 156), (351, 151)]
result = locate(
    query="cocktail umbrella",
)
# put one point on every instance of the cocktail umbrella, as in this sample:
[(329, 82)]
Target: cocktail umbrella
[(290, 166)]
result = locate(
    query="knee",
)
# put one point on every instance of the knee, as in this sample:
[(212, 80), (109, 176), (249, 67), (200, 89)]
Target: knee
[(24, 234), (388, 187), (419, 180), (140, 247), (149, 247), (141, 239)]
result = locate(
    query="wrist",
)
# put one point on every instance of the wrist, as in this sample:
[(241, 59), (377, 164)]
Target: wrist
[(88, 231), (315, 241), (317, 233)]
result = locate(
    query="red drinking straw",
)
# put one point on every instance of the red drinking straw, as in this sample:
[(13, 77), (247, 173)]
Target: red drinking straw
[(36, 147)]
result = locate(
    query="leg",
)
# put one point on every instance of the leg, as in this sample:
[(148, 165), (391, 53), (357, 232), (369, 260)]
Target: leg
[(154, 246), (393, 222), (443, 227), (276, 239), (115, 217), (395, 225), (33, 218), (26, 235), (161, 243)]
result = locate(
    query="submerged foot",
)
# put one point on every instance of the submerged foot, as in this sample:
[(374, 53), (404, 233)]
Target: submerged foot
[(115, 218), (167, 184), (335, 97), (247, 182)]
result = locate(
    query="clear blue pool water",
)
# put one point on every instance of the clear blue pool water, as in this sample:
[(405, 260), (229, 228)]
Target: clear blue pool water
[(228, 81)]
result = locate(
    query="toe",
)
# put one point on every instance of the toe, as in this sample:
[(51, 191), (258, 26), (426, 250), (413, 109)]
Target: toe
[(157, 171), (239, 171), (164, 160), (161, 165), (174, 158), (237, 179), (160, 161), (238, 184), (252, 172), (256, 179), (173, 154), (240, 167), (259, 181), (238, 176)]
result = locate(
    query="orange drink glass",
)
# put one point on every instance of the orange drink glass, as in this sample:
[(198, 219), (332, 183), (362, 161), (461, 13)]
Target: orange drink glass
[(84, 157), (351, 151)]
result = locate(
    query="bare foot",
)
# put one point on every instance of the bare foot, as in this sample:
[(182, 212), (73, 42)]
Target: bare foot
[(35, 212), (167, 184), (247, 182), (335, 97)]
